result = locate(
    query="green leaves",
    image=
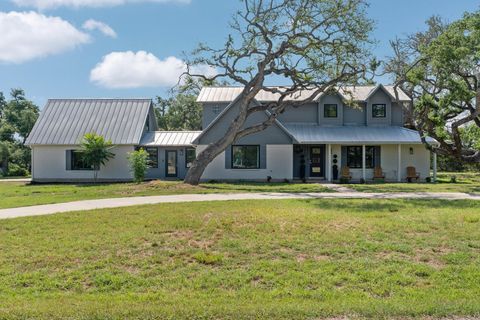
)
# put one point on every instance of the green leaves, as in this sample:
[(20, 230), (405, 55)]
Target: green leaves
[(17, 118), (138, 161), (96, 151)]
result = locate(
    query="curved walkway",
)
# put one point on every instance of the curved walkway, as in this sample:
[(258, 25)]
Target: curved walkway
[(126, 202)]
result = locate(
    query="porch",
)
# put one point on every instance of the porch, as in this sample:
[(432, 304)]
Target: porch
[(323, 162)]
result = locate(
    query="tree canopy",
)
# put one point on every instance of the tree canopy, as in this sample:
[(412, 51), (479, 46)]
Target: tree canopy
[(313, 44), (181, 111), (96, 152), (440, 69), (17, 117)]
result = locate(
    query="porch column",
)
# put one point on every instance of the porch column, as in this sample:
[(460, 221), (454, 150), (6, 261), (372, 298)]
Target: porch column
[(364, 163), (329, 162), (399, 167), (434, 166)]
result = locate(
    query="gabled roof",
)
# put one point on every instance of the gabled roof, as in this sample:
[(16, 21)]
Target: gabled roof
[(169, 138), (66, 121), (307, 134), (358, 93)]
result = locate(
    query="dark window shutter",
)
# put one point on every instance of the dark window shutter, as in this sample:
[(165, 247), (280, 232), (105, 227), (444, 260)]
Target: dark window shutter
[(68, 159), (228, 157), (263, 156), (344, 156), (378, 157)]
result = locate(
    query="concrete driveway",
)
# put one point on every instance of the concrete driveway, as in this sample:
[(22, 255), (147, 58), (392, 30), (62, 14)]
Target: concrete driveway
[(126, 202)]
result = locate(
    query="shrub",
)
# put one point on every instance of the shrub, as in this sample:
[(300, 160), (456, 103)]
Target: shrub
[(453, 179), (138, 161), (344, 180), (96, 152), (14, 170), (428, 179)]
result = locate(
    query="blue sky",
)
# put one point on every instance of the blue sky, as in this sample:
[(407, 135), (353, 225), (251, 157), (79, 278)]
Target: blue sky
[(160, 28)]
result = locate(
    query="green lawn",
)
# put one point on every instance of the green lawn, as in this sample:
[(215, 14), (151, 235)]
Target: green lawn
[(19, 194), (468, 182), (288, 259)]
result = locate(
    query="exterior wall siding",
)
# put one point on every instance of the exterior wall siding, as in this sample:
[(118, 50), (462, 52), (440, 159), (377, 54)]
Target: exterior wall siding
[(354, 116), (271, 135), (211, 111), (307, 113), (50, 165), (330, 99), (160, 172), (382, 98), (279, 166)]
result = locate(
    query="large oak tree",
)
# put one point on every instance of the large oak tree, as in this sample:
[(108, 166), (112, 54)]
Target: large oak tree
[(440, 69), (315, 45)]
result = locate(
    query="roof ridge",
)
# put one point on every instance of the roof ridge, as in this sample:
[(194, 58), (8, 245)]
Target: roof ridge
[(79, 99)]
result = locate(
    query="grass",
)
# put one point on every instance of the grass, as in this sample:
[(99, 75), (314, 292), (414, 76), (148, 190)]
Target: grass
[(19, 194), (288, 259), (13, 177), (468, 182)]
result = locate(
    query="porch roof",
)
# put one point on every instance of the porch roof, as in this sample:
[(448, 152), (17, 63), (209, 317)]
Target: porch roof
[(169, 138), (310, 134)]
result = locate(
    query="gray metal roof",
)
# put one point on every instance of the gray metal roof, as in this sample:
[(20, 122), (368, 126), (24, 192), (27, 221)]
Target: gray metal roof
[(307, 134), (66, 121), (169, 138), (358, 93)]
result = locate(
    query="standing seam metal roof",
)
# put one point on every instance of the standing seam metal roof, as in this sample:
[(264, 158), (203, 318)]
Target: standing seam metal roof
[(169, 138), (358, 93), (307, 134), (66, 121)]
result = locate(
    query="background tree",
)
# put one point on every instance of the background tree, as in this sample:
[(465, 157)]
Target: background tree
[(96, 152), (314, 45), (181, 111), (17, 117), (440, 69), (138, 161)]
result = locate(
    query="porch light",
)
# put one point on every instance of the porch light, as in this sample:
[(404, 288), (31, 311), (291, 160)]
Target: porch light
[(411, 150)]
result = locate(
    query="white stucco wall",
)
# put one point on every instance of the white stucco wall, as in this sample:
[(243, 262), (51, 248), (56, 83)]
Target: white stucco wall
[(49, 164), (279, 166)]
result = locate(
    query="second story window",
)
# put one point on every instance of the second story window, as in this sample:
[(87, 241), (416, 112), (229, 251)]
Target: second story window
[(330, 111), (216, 109), (379, 110)]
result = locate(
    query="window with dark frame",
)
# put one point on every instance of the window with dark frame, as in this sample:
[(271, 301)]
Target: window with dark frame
[(77, 161), (246, 157), (354, 157), (152, 157), (190, 155), (379, 110), (216, 109), (330, 111)]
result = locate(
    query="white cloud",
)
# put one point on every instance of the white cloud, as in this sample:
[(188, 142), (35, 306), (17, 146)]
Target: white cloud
[(140, 69), (29, 35), (104, 28), (51, 4)]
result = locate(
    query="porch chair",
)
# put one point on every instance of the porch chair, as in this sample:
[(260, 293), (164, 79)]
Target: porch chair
[(378, 173), (412, 174), (345, 173)]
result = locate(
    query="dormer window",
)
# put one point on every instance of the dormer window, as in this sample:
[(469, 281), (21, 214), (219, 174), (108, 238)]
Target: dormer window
[(216, 109), (379, 110), (147, 123), (330, 111)]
